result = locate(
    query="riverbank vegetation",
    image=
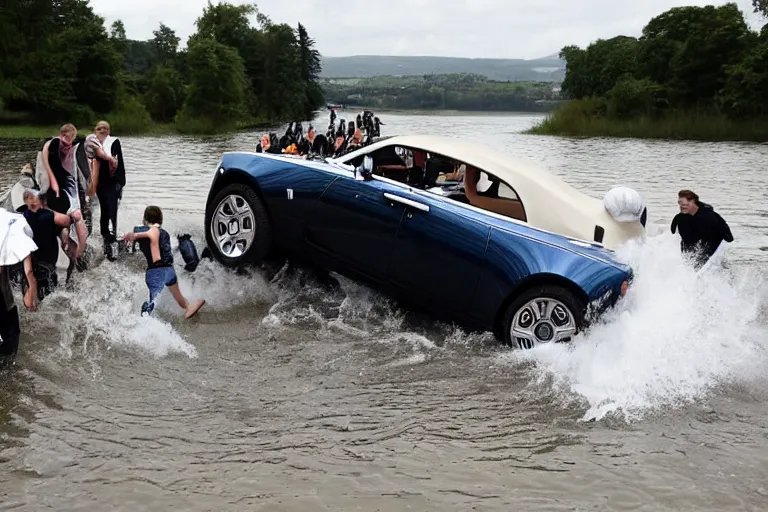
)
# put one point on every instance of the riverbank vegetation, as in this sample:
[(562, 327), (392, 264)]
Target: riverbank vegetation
[(456, 91), (695, 73), (60, 64)]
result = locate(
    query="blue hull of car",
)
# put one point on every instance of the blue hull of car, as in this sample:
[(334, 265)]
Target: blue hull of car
[(455, 261)]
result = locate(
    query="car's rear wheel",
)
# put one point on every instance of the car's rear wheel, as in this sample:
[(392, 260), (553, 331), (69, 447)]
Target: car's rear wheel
[(542, 315), (237, 226)]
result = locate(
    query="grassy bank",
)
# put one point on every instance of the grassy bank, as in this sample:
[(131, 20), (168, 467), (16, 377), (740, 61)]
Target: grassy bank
[(585, 118), (150, 129), (125, 122)]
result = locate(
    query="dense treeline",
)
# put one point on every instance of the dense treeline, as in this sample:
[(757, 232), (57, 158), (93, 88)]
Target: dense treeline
[(701, 66), (460, 91), (59, 63)]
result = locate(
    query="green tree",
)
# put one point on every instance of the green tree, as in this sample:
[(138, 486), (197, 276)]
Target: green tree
[(66, 66), (229, 25), (118, 37), (284, 92), (309, 63), (226, 23), (594, 71), (745, 94), (686, 49), (575, 84), (632, 97), (165, 44), (210, 98), (165, 95)]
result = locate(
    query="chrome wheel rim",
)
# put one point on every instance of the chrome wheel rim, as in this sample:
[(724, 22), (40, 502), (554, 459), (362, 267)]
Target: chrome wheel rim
[(232, 226), (542, 321)]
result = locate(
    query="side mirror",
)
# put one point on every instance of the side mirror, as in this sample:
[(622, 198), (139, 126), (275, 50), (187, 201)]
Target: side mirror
[(367, 164), (365, 171)]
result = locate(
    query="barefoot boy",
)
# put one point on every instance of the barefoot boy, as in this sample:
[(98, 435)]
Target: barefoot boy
[(155, 244)]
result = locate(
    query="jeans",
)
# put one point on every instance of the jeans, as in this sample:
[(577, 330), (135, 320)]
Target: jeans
[(157, 279), (108, 202)]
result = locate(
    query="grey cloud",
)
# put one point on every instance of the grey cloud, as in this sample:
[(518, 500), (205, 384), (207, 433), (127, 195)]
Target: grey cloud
[(461, 28)]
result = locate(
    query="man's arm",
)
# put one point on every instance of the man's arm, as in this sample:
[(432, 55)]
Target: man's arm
[(30, 297), (120, 172), (93, 144), (674, 223), (61, 220), (130, 237), (153, 234), (47, 165), (723, 228)]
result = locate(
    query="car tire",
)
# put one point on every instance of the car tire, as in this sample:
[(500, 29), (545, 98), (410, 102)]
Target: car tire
[(546, 313), (250, 214)]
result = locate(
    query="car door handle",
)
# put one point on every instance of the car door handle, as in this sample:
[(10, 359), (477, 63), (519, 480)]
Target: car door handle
[(408, 202)]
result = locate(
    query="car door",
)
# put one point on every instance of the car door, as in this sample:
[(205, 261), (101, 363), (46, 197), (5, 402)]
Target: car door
[(353, 226), (439, 251)]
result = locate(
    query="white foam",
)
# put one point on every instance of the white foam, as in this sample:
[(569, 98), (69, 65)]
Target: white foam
[(105, 307), (105, 303), (221, 288), (676, 335)]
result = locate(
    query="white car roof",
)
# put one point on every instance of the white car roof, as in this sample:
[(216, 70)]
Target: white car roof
[(526, 178), (550, 203)]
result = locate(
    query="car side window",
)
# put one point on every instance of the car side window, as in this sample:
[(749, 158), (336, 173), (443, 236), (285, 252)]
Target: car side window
[(485, 191), (507, 192)]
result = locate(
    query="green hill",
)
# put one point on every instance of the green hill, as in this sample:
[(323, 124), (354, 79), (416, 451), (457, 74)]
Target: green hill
[(549, 69)]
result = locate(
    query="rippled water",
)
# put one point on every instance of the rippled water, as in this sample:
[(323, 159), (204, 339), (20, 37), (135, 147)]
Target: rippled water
[(283, 395)]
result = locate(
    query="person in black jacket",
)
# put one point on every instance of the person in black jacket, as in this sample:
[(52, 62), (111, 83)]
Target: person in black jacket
[(45, 224), (702, 229), (10, 331), (108, 184)]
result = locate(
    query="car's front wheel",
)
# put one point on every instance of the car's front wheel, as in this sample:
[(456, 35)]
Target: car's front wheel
[(237, 226), (542, 315)]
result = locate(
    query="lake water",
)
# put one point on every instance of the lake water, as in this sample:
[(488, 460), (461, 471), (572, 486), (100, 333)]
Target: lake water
[(283, 396)]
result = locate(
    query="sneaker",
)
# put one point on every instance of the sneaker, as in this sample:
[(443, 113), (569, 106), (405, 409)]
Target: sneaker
[(112, 251), (147, 308)]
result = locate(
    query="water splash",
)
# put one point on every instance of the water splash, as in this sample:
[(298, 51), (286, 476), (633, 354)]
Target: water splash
[(676, 336), (103, 307)]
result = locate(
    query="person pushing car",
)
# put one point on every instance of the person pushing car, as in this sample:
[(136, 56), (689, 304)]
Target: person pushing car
[(702, 229)]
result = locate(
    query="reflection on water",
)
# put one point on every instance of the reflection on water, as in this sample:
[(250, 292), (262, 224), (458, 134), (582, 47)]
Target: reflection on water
[(290, 395)]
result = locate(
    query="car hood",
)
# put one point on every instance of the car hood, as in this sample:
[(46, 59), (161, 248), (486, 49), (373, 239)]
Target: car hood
[(582, 247), (597, 252)]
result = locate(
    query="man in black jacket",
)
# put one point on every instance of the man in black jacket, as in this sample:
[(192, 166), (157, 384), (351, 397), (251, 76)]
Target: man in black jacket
[(109, 183), (702, 229)]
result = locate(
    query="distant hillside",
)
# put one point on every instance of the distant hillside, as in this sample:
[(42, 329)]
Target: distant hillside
[(550, 69)]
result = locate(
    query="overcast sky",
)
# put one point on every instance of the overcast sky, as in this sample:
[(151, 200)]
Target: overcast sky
[(458, 28)]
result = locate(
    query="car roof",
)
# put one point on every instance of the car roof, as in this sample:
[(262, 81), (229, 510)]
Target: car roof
[(523, 176)]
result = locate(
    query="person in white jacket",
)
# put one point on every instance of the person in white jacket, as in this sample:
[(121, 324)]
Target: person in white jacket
[(16, 246)]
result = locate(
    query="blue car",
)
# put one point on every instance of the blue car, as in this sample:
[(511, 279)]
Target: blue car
[(462, 231)]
